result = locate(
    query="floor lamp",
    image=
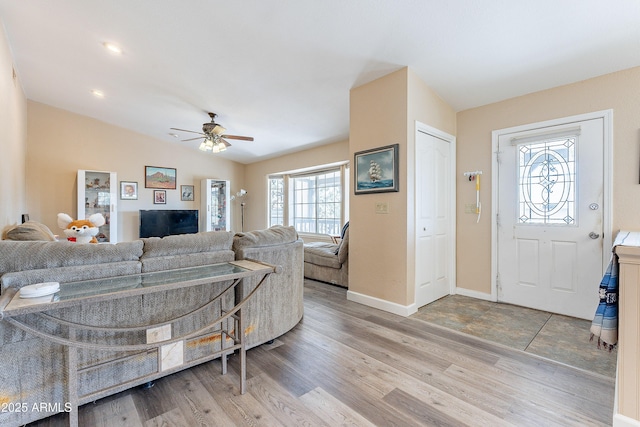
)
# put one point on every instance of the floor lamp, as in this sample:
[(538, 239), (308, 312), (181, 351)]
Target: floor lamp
[(241, 195)]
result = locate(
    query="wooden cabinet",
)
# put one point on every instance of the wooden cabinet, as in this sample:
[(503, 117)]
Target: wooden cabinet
[(628, 381)]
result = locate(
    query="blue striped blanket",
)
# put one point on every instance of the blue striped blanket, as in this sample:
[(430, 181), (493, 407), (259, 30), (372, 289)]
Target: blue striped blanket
[(605, 321)]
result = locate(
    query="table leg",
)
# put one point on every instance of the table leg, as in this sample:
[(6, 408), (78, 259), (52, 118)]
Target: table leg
[(72, 380), (243, 354)]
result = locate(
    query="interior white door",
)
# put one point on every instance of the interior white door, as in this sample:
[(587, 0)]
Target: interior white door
[(433, 218), (550, 217)]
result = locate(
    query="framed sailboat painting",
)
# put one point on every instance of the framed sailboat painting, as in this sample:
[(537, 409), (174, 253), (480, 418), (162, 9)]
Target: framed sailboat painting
[(376, 170)]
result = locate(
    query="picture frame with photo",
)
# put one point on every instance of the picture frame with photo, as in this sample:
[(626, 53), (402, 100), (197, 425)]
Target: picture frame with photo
[(186, 193), (159, 197), (128, 190), (376, 170), (160, 177)]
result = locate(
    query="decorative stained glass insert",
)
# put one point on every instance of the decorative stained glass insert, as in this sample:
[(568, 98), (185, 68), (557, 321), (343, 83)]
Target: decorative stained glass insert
[(547, 187)]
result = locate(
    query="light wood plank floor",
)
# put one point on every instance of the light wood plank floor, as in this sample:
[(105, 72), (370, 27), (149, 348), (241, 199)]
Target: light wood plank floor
[(351, 365)]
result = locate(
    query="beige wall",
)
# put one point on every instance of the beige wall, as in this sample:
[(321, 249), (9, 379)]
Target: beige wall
[(618, 91), (13, 137), (383, 112), (61, 142), (256, 177)]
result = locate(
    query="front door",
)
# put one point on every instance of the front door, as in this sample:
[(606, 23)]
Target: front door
[(434, 238), (550, 217)]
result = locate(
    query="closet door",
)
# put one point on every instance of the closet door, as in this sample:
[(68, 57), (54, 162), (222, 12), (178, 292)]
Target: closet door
[(434, 216)]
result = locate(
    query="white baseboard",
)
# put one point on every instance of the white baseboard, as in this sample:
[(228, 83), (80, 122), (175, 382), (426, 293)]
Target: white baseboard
[(380, 304), (622, 421), (474, 294)]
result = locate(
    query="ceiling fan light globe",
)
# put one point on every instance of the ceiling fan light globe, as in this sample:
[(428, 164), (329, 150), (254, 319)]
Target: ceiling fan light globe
[(203, 146)]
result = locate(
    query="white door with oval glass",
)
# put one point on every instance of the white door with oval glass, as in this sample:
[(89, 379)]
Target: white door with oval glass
[(550, 217)]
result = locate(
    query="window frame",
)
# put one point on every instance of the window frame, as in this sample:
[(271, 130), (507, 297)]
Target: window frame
[(287, 191)]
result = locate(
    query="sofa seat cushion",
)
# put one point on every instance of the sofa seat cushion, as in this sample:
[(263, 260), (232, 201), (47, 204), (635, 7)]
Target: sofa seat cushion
[(273, 236), (323, 254)]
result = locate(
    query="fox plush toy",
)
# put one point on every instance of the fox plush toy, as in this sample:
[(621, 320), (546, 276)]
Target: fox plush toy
[(81, 230)]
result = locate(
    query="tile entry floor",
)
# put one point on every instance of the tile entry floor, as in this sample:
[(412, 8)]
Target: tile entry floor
[(560, 338)]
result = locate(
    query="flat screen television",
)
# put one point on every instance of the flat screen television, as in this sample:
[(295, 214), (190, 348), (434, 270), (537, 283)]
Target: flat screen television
[(160, 223)]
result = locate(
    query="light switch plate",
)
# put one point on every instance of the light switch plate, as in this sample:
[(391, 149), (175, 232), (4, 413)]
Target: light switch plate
[(382, 207)]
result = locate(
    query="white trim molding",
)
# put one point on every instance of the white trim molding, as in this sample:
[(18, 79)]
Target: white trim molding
[(381, 304), (622, 421)]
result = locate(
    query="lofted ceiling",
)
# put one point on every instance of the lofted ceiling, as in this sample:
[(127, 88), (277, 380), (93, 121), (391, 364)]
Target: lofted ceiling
[(281, 70)]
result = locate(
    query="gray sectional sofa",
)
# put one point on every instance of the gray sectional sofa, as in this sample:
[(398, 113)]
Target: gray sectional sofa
[(33, 371)]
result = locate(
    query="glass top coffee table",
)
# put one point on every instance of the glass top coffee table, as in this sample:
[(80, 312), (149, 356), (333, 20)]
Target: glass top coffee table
[(30, 314)]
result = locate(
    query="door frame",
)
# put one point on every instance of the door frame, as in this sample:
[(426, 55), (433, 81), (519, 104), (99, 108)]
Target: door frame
[(607, 160), (451, 267)]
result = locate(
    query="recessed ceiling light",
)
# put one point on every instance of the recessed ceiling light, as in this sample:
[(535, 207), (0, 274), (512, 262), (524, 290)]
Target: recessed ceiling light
[(97, 93), (112, 48)]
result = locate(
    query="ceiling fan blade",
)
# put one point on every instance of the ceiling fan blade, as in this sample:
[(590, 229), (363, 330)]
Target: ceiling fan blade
[(191, 139), (226, 143), (243, 138), (184, 130)]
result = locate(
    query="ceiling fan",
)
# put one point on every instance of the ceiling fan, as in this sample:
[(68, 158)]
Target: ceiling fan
[(214, 136)]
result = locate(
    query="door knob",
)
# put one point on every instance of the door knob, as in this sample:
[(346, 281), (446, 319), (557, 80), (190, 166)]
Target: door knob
[(594, 235)]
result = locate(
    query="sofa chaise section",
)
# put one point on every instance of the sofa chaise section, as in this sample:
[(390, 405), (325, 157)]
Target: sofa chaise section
[(328, 262), (278, 304)]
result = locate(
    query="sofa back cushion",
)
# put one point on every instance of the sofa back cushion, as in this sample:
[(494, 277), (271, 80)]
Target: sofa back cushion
[(30, 230), (180, 244), (276, 235), (18, 279), (343, 250), (186, 250), (32, 255)]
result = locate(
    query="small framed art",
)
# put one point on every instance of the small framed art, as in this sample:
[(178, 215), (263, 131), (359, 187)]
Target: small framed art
[(128, 190), (160, 197), (376, 170), (186, 193)]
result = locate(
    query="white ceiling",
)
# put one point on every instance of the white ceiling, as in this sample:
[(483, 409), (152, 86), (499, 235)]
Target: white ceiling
[(281, 70)]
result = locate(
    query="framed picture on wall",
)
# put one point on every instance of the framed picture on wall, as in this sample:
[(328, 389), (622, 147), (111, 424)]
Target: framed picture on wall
[(186, 193), (157, 177), (159, 197), (128, 190), (376, 170)]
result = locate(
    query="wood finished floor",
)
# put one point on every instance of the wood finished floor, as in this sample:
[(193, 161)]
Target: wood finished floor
[(351, 365)]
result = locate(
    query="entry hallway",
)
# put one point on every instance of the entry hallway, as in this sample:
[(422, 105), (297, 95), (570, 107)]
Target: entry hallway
[(348, 364)]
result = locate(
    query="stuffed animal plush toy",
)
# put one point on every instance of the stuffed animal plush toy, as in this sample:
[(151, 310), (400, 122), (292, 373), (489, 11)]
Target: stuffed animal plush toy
[(81, 230)]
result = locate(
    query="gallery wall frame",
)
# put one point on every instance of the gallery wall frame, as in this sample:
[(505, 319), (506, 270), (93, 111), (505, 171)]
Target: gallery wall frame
[(376, 170), (186, 193), (159, 197), (128, 190), (160, 177)]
